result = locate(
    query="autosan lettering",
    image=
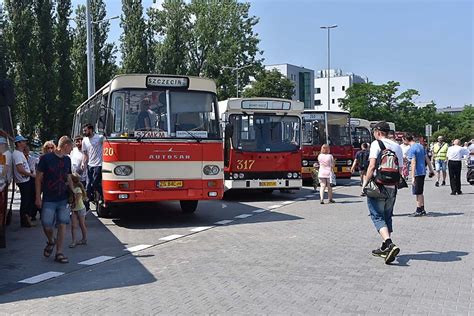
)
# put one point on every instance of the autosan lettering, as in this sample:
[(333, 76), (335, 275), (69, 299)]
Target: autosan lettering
[(169, 157)]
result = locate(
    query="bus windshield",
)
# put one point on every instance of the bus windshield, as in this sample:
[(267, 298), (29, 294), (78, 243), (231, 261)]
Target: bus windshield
[(147, 113), (314, 131), (265, 132), (361, 135)]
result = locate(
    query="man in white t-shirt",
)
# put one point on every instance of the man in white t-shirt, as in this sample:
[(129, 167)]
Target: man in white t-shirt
[(405, 145), (381, 209), (92, 150), (23, 176)]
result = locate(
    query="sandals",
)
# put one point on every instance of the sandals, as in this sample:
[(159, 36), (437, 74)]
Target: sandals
[(82, 242), (48, 250), (61, 258), (73, 245)]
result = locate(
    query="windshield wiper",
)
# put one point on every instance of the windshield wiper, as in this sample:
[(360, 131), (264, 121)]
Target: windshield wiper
[(197, 139)]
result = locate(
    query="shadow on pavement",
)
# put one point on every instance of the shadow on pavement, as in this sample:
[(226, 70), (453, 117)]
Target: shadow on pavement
[(429, 255), (432, 214)]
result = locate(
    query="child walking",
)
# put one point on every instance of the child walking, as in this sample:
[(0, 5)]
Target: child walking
[(78, 211)]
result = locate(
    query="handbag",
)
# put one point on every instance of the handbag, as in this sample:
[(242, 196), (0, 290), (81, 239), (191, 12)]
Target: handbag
[(374, 190), (402, 183), (332, 179)]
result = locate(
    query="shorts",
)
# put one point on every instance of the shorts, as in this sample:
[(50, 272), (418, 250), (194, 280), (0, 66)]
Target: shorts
[(441, 165), (381, 210), (54, 213), (81, 212), (418, 187)]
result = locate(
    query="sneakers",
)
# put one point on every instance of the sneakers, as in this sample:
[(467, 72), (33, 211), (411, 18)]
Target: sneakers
[(393, 251), (381, 252), (418, 213), (437, 184)]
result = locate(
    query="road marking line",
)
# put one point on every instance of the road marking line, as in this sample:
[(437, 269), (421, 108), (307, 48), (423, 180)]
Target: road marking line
[(171, 237), (274, 206), (260, 210), (288, 202), (224, 222), (137, 248), (41, 277), (96, 260), (300, 199), (243, 216), (200, 229)]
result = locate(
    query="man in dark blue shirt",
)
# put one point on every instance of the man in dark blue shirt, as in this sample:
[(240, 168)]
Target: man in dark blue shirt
[(417, 157), (53, 179)]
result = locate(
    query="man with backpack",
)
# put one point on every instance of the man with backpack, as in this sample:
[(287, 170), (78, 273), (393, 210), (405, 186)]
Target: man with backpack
[(385, 158), (361, 161), (417, 157)]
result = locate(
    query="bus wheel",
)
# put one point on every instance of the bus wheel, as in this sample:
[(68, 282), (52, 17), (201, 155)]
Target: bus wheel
[(102, 211), (188, 206)]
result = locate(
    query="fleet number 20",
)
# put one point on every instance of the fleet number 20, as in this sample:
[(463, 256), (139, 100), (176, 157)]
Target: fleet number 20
[(108, 151)]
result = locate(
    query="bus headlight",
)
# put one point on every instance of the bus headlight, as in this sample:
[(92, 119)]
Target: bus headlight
[(236, 176), (241, 175), (305, 163), (123, 170), (295, 175), (349, 162), (210, 170), (289, 175)]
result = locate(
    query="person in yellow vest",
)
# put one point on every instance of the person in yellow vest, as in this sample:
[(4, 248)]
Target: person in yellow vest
[(440, 158)]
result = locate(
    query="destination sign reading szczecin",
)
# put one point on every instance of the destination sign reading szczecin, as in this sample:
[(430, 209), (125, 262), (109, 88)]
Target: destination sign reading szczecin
[(313, 116), (168, 82)]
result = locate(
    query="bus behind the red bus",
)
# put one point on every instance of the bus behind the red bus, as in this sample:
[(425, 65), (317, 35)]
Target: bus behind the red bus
[(361, 132), (314, 136), (262, 142), (162, 140)]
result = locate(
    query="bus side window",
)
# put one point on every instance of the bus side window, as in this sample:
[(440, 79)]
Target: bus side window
[(117, 108)]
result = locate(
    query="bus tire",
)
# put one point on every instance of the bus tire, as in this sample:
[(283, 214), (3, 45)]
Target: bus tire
[(188, 206), (102, 211)]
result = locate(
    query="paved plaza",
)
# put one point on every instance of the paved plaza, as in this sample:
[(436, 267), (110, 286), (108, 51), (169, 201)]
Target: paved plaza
[(254, 254)]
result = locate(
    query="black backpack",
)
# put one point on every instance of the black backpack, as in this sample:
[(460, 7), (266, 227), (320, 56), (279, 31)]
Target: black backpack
[(387, 166), (364, 159)]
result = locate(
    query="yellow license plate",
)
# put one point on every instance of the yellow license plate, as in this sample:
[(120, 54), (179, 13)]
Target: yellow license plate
[(166, 184), (268, 184)]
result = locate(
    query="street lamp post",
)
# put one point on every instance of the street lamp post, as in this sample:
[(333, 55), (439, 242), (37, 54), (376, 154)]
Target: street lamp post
[(90, 48), (438, 124), (326, 125), (236, 69)]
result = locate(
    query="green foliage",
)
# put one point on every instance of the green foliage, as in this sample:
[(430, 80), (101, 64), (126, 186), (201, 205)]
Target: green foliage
[(79, 57), (63, 44), (4, 64), (134, 38), (270, 84)]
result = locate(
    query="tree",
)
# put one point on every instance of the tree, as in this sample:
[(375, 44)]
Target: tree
[(79, 57), (222, 35), (270, 84), (63, 44), (3, 47), (45, 71), (134, 38), (22, 42), (104, 53), (172, 24)]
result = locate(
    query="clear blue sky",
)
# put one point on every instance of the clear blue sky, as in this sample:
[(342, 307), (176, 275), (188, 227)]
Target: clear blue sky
[(426, 45)]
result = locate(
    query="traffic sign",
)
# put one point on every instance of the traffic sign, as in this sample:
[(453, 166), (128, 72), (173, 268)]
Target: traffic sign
[(428, 130)]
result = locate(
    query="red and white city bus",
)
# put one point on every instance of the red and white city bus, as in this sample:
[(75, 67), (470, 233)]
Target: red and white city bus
[(361, 132), (262, 143), (314, 136), (162, 139)]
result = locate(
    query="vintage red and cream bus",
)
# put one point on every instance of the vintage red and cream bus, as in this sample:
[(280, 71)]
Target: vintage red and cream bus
[(162, 140), (314, 136), (262, 143), (361, 132)]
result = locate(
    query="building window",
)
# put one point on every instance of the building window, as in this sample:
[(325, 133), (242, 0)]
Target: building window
[(332, 89), (317, 102), (333, 101), (318, 90), (343, 88)]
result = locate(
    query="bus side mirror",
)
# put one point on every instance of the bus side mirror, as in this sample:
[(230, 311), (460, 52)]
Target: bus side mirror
[(229, 131), (7, 93), (102, 120)]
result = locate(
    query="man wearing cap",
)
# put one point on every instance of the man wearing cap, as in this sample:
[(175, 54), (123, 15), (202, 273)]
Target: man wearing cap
[(440, 151), (23, 176), (381, 209)]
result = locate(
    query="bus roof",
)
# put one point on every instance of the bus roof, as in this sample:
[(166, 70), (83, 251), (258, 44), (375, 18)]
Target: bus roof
[(261, 104), (144, 81)]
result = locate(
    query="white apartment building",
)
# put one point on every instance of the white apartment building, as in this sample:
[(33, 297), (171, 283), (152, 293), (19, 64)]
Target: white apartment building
[(302, 78), (339, 83)]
